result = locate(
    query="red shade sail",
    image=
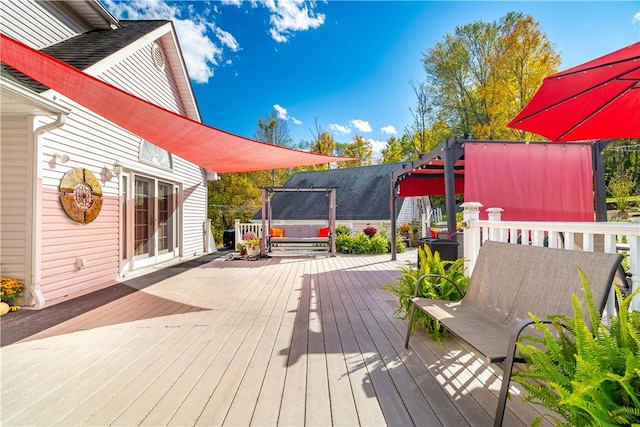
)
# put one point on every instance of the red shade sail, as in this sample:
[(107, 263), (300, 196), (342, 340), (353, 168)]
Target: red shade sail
[(205, 146), (599, 99)]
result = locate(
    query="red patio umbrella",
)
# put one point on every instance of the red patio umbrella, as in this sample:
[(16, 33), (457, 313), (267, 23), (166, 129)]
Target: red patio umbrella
[(599, 99)]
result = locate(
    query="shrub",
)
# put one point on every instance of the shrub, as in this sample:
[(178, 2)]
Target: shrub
[(342, 230), (587, 378), (431, 287), (360, 243)]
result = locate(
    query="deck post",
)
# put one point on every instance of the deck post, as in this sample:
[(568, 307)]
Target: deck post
[(471, 234)]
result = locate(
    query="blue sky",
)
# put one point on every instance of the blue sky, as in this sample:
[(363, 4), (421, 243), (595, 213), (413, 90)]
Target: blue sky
[(348, 64)]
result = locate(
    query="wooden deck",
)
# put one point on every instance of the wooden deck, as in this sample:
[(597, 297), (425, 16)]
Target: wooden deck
[(287, 341)]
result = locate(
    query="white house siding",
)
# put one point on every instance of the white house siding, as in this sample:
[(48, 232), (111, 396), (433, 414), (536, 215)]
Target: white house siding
[(137, 75), (13, 196), (94, 143), (85, 139), (194, 207), (19, 18)]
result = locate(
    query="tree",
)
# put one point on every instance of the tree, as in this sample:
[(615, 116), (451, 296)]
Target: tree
[(482, 75), (420, 116), (273, 130), (621, 186), (233, 196), (527, 57), (360, 148), (323, 143), (393, 151)]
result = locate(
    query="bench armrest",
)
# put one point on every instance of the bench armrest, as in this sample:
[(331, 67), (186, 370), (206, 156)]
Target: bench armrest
[(424, 276)]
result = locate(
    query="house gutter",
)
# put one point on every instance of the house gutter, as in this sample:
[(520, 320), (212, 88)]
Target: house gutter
[(36, 203), (35, 105)]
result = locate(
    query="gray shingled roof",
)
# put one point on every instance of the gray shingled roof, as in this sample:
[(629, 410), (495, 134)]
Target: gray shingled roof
[(362, 193), (84, 50)]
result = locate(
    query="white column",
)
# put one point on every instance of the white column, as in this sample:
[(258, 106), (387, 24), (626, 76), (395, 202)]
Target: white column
[(471, 213), (495, 234)]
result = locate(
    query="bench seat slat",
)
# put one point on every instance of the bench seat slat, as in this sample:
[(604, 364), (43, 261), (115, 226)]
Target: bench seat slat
[(491, 343)]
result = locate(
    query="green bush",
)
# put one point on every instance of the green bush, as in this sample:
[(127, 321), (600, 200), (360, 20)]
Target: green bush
[(360, 243), (342, 230), (587, 378), (431, 287)]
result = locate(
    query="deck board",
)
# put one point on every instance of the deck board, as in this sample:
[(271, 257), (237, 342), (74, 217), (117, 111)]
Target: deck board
[(291, 340)]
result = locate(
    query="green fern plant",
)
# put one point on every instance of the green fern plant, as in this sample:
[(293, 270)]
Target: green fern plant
[(431, 287), (588, 378)]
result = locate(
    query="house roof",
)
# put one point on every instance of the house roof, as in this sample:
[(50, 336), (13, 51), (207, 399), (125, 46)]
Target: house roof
[(362, 193), (85, 50)]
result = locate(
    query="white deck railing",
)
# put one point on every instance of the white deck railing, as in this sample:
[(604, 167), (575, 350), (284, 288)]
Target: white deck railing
[(610, 237), (243, 227)]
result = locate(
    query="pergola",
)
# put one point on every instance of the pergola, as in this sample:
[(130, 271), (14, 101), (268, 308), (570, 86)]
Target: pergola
[(269, 192), (442, 172)]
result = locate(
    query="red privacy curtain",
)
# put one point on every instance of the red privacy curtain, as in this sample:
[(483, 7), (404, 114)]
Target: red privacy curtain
[(531, 182)]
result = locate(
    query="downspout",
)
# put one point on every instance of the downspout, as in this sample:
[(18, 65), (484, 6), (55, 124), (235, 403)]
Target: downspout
[(36, 203)]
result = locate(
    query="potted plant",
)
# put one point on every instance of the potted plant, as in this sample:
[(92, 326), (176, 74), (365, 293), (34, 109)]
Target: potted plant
[(10, 294), (252, 243), (241, 248)]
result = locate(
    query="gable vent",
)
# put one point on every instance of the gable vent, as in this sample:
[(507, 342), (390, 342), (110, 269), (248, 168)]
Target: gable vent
[(157, 56)]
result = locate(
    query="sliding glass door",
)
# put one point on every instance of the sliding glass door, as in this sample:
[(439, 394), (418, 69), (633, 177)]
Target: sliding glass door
[(155, 222)]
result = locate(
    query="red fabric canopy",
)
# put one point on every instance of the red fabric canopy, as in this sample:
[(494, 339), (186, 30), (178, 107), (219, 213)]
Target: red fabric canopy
[(531, 182), (429, 180), (599, 99), (210, 148)]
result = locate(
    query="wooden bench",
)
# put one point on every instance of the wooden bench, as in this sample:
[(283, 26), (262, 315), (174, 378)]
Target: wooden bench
[(508, 282), (299, 236)]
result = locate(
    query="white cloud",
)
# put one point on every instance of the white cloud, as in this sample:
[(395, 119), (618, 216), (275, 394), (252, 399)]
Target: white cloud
[(339, 128), (282, 112), (377, 146), (288, 16), (361, 125), (636, 17), (389, 130), (227, 39), (203, 43), (201, 54)]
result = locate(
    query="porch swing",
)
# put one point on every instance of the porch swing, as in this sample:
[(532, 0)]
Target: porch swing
[(298, 236)]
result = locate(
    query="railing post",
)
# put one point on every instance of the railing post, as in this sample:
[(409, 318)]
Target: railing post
[(237, 234), (471, 213), (634, 268), (209, 241), (495, 214)]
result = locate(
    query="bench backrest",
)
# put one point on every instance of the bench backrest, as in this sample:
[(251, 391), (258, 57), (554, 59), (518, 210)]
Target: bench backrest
[(300, 230), (510, 280)]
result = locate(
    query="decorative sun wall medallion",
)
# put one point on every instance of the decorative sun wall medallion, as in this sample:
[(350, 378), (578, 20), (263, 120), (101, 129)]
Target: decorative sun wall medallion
[(81, 195)]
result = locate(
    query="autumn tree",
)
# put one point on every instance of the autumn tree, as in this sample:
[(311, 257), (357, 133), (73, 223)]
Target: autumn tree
[(233, 196), (527, 57), (482, 75), (323, 143), (394, 150), (273, 130), (360, 148)]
